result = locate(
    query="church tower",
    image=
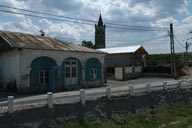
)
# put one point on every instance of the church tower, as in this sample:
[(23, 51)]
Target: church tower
[(100, 34)]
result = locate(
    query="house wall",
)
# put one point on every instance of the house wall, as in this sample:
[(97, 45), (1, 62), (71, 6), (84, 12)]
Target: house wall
[(122, 60), (10, 67), (28, 55)]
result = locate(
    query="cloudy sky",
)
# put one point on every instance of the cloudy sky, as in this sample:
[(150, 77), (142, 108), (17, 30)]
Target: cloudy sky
[(141, 15)]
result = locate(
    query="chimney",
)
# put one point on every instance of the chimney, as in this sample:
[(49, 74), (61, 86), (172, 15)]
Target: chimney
[(42, 32)]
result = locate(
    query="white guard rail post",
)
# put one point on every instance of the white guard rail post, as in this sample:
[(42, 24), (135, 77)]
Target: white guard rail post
[(165, 85), (82, 97), (10, 104), (131, 90), (148, 87), (50, 100), (108, 92), (179, 84)]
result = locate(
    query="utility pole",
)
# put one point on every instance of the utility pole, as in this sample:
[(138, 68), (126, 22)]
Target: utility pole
[(173, 66), (186, 52), (186, 48)]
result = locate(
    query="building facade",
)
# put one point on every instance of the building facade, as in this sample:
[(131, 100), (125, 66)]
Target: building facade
[(41, 63)]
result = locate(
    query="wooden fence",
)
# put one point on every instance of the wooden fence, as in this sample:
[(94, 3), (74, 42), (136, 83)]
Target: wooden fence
[(84, 95)]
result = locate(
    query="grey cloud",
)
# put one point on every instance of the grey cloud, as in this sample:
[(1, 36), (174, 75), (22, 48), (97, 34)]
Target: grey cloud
[(64, 5), (163, 8), (166, 8), (135, 2)]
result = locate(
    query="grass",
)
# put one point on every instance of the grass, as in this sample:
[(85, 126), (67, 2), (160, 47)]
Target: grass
[(175, 116)]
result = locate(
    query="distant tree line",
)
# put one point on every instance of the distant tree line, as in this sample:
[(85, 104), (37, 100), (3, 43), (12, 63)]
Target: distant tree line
[(164, 60)]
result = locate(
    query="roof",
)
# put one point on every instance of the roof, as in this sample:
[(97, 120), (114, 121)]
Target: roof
[(22, 40), (130, 49)]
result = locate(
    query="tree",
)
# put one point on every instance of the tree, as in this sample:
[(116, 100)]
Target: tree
[(159, 60), (88, 44)]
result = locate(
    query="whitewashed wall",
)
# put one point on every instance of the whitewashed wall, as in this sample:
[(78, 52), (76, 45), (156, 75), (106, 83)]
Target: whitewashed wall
[(15, 65), (10, 67), (28, 55)]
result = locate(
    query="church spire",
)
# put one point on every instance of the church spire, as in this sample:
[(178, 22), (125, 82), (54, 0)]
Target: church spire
[(100, 34), (100, 22)]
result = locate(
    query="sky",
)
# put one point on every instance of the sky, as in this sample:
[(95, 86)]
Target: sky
[(153, 14)]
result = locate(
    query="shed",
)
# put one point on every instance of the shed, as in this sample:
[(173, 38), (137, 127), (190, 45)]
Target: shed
[(33, 62), (130, 60)]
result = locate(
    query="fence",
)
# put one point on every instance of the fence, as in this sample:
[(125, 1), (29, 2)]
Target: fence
[(84, 95)]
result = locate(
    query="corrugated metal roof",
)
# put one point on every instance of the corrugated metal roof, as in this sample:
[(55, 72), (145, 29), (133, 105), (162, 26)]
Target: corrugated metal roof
[(117, 50), (22, 40)]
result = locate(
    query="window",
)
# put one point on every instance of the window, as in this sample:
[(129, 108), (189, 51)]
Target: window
[(67, 72), (67, 62), (74, 62), (74, 72), (43, 77), (93, 74), (71, 68)]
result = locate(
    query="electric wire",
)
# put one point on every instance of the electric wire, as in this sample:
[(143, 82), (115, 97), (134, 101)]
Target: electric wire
[(152, 39), (178, 42), (112, 25), (140, 29), (49, 18), (49, 14)]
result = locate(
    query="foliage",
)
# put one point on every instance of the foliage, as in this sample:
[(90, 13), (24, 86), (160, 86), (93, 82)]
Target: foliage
[(161, 60), (174, 116), (88, 44), (158, 60)]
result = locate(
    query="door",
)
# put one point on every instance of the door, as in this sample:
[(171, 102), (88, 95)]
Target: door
[(71, 72)]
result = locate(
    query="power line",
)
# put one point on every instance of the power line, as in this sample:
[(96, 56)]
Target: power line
[(49, 18), (49, 14), (135, 41), (112, 25), (178, 42), (56, 19), (131, 28), (152, 39), (147, 41), (178, 46)]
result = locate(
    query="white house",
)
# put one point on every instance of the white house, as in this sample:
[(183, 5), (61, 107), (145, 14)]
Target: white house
[(33, 62)]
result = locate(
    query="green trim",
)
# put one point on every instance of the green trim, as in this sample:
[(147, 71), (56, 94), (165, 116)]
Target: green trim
[(93, 63), (40, 63)]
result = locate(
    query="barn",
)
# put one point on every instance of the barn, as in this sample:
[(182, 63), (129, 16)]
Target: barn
[(125, 62), (39, 63)]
